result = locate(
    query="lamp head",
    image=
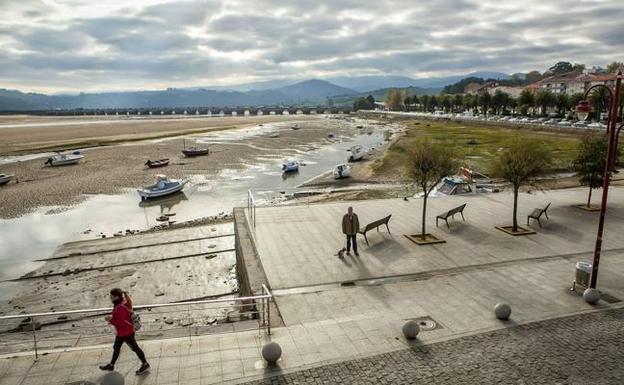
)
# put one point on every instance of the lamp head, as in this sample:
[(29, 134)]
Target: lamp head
[(582, 110)]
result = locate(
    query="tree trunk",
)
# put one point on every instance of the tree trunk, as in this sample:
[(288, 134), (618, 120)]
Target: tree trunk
[(515, 209), (589, 197), (424, 215)]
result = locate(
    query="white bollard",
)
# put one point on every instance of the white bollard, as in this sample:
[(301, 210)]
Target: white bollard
[(591, 296)]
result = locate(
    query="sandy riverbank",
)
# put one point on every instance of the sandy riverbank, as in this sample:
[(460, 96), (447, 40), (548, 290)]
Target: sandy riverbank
[(111, 169), (28, 134)]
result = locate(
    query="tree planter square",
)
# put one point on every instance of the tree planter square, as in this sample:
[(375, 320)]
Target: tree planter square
[(590, 208), (429, 239), (520, 230)]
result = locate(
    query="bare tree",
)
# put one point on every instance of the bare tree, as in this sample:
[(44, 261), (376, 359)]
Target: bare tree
[(522, 161), (429, 162)]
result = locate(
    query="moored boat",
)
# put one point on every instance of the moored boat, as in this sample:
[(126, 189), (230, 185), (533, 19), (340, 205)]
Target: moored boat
[(157, 163), (6, 178), (163, 186), (342, 171), (64, 159), (195, 151), (357, 153), (290, 165)]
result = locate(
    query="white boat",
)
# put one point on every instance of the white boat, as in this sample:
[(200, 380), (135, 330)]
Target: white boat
[(357, 153), (64, 159), (163, 186), (5, 178), (342, 171), (290, 165)]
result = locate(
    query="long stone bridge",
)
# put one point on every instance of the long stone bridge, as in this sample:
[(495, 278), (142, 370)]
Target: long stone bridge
[(205, 111)]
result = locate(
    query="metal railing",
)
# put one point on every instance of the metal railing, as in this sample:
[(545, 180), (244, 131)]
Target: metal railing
[(251, 208), (38, 332)]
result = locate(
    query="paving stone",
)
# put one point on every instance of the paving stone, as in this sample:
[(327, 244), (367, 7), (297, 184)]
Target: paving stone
[(576, 350)]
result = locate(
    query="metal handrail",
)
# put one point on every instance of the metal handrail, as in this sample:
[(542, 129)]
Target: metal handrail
[(262, 301), (140, 307)]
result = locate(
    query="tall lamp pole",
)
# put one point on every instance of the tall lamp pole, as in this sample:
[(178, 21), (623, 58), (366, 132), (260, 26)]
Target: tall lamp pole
[(583, 109)]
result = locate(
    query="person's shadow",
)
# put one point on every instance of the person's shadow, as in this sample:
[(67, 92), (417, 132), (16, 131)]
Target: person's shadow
[(111, 378)]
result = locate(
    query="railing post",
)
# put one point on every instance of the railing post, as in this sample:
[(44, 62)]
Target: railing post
[(34, 332)]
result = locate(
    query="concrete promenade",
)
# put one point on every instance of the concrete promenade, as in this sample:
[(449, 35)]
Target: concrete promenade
[(338, 310)]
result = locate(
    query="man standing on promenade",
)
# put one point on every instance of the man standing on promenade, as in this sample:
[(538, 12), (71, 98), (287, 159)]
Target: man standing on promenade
[(350, 227)]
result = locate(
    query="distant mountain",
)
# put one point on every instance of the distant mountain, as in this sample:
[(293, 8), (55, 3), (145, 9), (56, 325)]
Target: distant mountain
[(310, 91), (364, 83), (369, 83), (255, 86), (440, 82), (314, 91)]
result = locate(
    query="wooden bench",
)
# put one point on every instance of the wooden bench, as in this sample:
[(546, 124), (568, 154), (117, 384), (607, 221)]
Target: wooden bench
[(451, 213), (375, 225), (537, 213)]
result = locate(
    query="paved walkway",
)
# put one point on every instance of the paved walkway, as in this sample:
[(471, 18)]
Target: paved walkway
[(343, 310), (579, 350)]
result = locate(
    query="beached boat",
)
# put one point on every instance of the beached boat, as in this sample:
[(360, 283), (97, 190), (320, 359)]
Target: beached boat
[(157, 163), (163, 186), (64, 159), (357, 153), (195, 151), (290, 165), (6, 178), (342, 171)]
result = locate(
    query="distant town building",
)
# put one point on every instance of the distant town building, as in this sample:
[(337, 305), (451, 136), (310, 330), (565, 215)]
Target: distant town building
[(573, 82)]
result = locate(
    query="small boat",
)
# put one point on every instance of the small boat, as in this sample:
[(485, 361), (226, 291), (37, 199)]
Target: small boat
[(157, 163), (357, 153), (342, 171), (6, 178), (331, 135), (295, 126), (64, 159), (195, 151), (290, 166), (163, 186), (359, 126)]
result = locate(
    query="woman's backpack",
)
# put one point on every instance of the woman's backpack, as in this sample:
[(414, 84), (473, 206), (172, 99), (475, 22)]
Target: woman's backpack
[(136, 321)]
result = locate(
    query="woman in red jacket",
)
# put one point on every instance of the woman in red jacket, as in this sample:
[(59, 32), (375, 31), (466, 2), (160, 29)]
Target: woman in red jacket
[(121, 319)]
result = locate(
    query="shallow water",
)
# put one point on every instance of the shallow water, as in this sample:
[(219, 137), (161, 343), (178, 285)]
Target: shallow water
[(36, 235)]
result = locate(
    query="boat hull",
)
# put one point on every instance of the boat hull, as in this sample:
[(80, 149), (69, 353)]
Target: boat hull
[(190, 154), (148, 193), (64, 160), (5, 179), (157, 163)]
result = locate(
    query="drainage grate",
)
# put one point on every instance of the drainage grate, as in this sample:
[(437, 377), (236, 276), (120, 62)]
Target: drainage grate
[(426, 323)]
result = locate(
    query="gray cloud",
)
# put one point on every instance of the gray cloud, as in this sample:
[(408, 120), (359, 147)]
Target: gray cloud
[(66, 45)]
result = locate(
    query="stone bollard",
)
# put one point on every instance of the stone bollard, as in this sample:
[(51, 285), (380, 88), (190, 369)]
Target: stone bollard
[(591, 296), (502, 311), (410, 329), (271, 352)]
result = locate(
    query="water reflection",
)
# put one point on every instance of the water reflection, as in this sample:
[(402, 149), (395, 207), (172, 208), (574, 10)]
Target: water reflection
[(36, 235)]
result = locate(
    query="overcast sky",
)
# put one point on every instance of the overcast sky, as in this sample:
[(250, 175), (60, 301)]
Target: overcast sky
[(89, 45)]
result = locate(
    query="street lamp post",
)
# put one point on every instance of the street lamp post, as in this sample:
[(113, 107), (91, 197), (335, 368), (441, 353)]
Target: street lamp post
[(582, 110)]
